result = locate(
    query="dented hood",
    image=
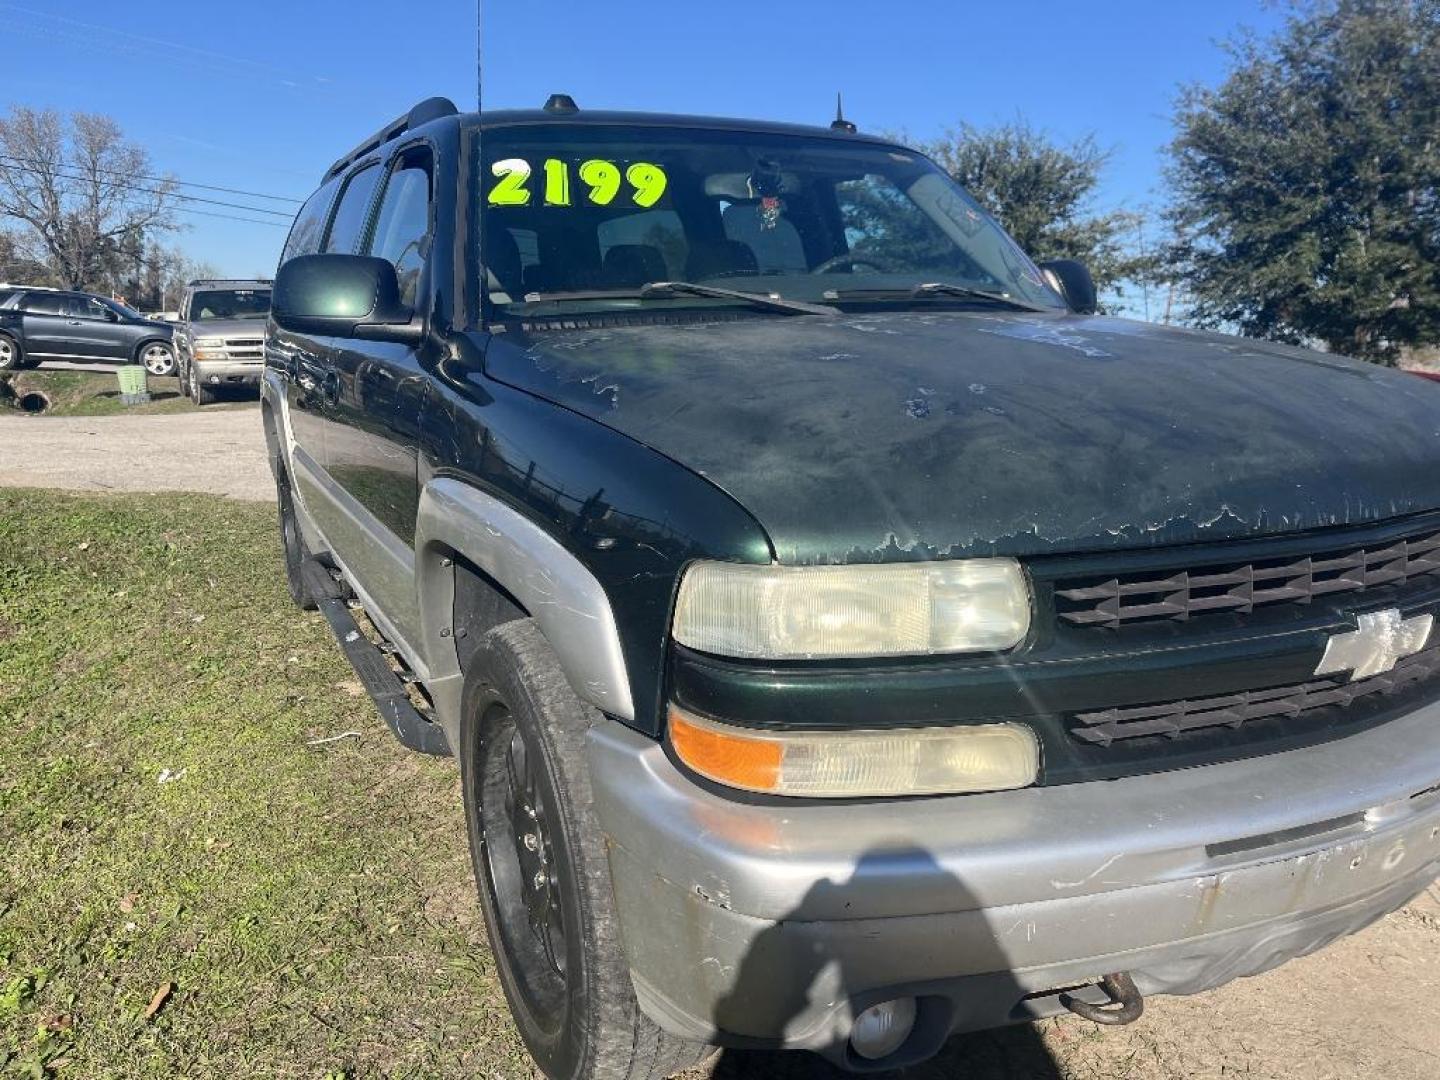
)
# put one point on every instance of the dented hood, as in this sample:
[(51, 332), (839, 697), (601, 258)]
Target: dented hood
[(861, 438)]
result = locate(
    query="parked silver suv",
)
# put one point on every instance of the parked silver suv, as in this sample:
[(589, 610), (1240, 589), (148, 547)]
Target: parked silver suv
[(220, 338)]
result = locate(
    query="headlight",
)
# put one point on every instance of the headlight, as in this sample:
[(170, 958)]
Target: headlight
[(891, 609), (209, 343), (852, 764)]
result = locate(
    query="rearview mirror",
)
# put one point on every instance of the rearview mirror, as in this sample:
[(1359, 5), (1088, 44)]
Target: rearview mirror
[(1073, 282), (342, 296)]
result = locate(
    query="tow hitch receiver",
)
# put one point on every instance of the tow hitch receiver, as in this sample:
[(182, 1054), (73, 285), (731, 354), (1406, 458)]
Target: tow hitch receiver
[(1125, 1006)]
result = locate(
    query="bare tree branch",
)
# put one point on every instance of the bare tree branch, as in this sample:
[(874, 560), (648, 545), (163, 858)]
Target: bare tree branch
[(76, 190)]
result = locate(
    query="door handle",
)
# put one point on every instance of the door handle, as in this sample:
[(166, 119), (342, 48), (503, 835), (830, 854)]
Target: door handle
[(73, 322)]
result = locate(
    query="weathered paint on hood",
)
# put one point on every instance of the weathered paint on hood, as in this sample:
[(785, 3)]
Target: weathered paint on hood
[(922, 435)]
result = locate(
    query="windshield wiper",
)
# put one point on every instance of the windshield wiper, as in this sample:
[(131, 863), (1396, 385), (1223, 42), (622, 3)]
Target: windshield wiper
[(661, 290), (936, 288), (945, 288)]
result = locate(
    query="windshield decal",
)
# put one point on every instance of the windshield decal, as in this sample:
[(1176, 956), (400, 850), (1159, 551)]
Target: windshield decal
[(640, 183)]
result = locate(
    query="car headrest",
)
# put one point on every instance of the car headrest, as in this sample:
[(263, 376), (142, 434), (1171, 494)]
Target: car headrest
[(633, 264)]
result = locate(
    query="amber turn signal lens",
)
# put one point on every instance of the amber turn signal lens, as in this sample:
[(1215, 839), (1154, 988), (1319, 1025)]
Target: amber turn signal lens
[(847, 764), (725, 754)]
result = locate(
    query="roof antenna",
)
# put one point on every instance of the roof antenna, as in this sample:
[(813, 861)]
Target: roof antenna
[(840, 123)]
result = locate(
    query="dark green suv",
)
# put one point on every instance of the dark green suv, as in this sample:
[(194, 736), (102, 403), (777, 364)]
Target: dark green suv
[(847, 638)]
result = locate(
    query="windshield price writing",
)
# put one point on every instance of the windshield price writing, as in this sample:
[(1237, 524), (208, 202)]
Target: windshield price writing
[(640, 183)]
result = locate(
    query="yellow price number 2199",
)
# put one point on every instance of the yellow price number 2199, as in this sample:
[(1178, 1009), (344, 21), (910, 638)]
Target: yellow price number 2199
[(602, 179)]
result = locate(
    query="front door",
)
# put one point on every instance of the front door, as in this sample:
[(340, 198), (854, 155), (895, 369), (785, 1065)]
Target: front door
[(97, 331), (311, 382), (380, 390)]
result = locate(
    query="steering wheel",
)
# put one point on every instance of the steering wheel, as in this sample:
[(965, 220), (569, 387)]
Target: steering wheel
[(852, 259)]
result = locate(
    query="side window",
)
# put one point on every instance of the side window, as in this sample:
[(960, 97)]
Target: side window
[(85, 307), (402, 227), (309, 224), (39, 303), (349, 219)]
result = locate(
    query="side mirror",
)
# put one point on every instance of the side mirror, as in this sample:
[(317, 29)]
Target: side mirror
[(1073, 282), (111, 316), (355, 296)]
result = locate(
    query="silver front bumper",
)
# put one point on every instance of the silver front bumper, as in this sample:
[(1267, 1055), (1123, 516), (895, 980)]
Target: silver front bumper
[(773, 925), (229, 370)]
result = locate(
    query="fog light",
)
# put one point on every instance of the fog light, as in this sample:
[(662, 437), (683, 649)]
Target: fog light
[(881, 1029)]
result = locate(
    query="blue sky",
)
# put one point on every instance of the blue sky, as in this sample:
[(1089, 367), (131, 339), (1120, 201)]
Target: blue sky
[(264, 95)]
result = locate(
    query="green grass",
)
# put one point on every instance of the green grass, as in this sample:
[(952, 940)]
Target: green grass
[(312, 907), (97, 393)]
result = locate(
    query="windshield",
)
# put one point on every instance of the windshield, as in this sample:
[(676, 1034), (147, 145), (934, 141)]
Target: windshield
[(595, 209), (229, 304)]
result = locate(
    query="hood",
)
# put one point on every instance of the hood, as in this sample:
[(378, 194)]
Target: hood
[(227, 328), (905, 435)]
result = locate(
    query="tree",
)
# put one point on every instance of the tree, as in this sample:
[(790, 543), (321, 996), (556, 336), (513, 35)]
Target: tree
[(82, 193), (1304, 187), (1043, 192), (16, 266)]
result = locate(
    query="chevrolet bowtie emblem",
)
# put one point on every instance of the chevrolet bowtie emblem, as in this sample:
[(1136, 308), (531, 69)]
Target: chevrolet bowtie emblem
[(1380, 641)]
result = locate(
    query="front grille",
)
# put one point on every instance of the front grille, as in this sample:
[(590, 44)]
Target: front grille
[(1173, 718), (243, 349), (1118, 600)]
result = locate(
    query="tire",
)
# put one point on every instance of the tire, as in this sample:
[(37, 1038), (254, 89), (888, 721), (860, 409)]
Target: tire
[(522, 760), (292, 544), (200, 394), (12, 357), (158, 358)]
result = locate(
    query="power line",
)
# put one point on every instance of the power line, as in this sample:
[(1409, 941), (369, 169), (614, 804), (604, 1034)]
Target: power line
[(284, 214), (167, 180), (232, 217)]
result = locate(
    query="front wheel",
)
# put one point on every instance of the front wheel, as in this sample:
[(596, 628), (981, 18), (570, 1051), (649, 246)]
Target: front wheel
[(158, 358), (200, 394), (11, 356), (542, 870)]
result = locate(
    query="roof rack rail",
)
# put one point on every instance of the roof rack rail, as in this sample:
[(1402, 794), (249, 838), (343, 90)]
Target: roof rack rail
[(429, 109)]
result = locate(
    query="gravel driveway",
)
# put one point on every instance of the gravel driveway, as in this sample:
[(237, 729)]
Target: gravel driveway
[(221, 452)]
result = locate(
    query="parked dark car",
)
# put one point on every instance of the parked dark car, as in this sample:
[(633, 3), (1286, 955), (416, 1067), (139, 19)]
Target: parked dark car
[(847, 637), (51, 324)]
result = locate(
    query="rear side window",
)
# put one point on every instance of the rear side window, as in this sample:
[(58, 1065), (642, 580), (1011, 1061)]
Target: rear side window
[(402, 226), (40, 303), (310, 223), (349, 220)]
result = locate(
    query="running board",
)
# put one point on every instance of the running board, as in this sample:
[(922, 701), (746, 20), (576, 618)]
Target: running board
[(381, 682)]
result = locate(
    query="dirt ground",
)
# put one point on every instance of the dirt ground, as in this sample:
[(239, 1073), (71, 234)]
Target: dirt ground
[(219, 452), (1366, 1006)]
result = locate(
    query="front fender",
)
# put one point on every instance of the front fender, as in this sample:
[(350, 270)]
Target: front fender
[(566, 601)]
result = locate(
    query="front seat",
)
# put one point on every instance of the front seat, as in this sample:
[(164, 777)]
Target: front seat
[(632, 264), (720, 258), (502, 261)]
